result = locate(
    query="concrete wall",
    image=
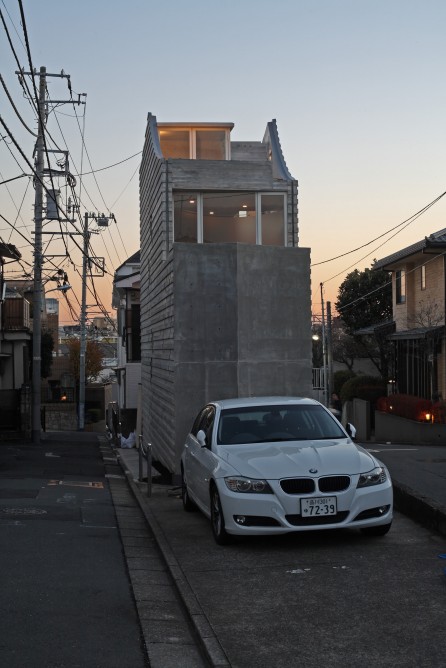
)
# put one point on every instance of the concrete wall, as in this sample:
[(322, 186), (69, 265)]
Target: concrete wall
[(217, 320), (132, 383), (240, 330), (395, 429)]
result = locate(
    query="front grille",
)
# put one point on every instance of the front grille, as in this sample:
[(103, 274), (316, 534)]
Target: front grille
[(298, 485), (299, 521), (371, 513), (334, 483)]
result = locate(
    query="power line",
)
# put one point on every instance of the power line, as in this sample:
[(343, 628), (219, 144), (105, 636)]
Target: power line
[(21, 79), (385, 285), (102, 169), (15, 108), (408, 221)]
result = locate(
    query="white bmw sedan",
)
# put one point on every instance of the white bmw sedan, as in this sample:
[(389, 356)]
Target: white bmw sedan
[(272, 465)]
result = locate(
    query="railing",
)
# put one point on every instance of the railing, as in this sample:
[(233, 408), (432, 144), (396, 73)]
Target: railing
[(16, 314), (145, 453), (319, 375)]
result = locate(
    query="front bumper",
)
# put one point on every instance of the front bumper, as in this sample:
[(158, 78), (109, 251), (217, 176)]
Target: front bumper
[(280, 513)]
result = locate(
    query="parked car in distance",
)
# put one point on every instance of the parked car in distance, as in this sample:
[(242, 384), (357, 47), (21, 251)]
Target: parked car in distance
[(273, 465)]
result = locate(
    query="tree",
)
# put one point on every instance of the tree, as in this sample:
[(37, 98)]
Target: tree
[(93, 359), (346, 349), (365, 301), (46, 354)]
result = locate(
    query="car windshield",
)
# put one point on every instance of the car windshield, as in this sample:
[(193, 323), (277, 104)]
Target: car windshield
[(262, 424)]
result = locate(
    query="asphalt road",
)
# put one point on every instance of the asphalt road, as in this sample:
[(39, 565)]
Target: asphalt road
[(66, 599), (332, 598)]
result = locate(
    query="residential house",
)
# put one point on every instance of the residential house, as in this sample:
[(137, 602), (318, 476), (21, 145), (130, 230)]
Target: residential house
[(225, 288), (15, 338), (419, 299), (126, 287)]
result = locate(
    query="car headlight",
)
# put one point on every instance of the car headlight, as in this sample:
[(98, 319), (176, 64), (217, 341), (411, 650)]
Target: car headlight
[(248, 486), (375, 477)]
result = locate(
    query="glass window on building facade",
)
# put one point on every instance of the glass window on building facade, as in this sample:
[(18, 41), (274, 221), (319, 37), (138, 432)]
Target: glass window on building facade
[(231, 217)]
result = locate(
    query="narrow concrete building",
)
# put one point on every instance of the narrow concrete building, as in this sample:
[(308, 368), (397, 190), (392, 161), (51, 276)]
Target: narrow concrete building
[(225, 289)]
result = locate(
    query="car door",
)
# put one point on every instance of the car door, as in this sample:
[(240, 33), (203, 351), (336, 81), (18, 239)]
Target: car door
[(200, 458)]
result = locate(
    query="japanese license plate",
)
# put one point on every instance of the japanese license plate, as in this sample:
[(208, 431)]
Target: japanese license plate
[(319, 507)]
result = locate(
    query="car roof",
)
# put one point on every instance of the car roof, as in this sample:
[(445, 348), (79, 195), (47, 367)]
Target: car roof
[(240, 402)]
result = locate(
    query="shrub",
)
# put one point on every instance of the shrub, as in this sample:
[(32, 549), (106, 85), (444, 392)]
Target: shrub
[(439, 412), (369, 388), (341, 377), (406, 406)]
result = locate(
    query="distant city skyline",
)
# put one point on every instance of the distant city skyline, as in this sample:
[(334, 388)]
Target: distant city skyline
[(354, 87)]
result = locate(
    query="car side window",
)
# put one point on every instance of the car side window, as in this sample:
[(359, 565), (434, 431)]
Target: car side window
[(197, 424), (206, 423)]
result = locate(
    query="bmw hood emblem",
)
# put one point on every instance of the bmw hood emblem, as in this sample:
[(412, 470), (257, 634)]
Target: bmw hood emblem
[(313, 470)]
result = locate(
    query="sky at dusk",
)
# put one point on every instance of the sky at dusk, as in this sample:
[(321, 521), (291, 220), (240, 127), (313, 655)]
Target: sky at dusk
[(356, 87)]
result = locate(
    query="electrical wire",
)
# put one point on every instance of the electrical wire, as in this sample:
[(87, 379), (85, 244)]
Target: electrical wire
[(385, 285), (21, 79), (102, 169), (15, 108), (408, 221)]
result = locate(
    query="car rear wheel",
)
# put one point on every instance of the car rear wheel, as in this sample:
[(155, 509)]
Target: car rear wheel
[(188, 504), (377, 531), (217, 519)]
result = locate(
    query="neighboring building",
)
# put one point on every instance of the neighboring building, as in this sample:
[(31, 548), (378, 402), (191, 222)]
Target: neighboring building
[(225, 290), (15, 338), (419, 299), (126, 286)]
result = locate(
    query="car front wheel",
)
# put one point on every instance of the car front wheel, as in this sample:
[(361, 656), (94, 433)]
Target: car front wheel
[(188, 504), (377, 531), (217, 519)]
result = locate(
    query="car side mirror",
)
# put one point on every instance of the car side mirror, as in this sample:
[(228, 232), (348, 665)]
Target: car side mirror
[(201, 438), (351, 430)]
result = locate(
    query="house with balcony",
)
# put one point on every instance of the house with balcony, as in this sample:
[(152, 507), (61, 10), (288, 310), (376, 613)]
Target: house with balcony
[(126, 290), (419, 300), (225, 287)]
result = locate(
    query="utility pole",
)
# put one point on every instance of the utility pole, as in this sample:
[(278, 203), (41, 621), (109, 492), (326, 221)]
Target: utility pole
[(329, 353), (102, 221), (37, 293), (324, 348), (83, 322), (39, 217)]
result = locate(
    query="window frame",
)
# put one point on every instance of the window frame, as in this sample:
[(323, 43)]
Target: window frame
[(423, 277), (400, 286), (258, 218), (192, 131)]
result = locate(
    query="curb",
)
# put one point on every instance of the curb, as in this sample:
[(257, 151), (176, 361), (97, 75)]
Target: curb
[(422, 509), (204, 632)]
